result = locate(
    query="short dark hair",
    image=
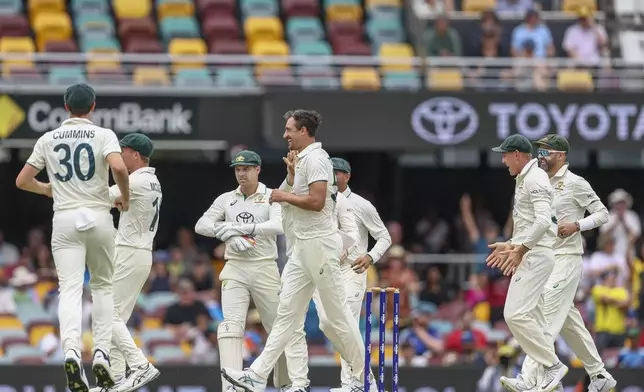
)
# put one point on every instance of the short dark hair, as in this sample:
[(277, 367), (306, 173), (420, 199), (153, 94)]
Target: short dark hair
[(80, 111), (305, 118)]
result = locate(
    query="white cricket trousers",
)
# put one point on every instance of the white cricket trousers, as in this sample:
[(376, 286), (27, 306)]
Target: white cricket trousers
[(260, 280), (72, 249), (562, 316), (131, 270), (355, 286), (314, 264), (523, 310)]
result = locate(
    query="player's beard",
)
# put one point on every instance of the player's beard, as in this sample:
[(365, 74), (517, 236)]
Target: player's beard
[(543, 163)]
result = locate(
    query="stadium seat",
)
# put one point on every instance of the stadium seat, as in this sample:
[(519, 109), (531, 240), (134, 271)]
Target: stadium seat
[(10, 323), (17, 352), (573, 5), (17, 45), (51, 26), (92, 44), (37, 6), (216, 7), (394, 13), (263, 29), (155, 322), (13, 25), (150, 76), (313, 48), (382, 31), (576, 80), (444, 79), (226, 46), (175, 8), (66, 75), (179, 27), (300, 29), (258, 8), (281, 78), (155, 335), (169, 355), (478, 5), (124, 9), (442, 327), (220, 27), (108, 76), (401, 80), (94, 24), (23, 74), (186, 348), (383, 3), (85, 7), (157, 301), (344, 31), (143, 45), (351, 48), (235, 77), (137, 28), (270, 48), (43, 288), (38, 332), (354, 78), (95, 65), (301, 7), (342, 12), (318, 77), (396, 52), (187, 47), (10, 7)]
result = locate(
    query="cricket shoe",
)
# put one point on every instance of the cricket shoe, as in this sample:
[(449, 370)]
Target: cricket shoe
[(245, 379), (114, 388), (76, 379), (139, 377), (552, 378), (514, 384), (299, 389), (560, 388), (101, 370), (602, 382), (373, 386)]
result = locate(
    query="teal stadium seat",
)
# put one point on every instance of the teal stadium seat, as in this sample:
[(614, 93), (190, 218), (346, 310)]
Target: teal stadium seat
[(381, 12), (259, 8), (6, 334), (165, 354), (30, 313), (10, 7), (158, 300), (84, 7), (94, 24), (312, 48), (401, 80), (318, 77), (328, 3), (178, 27), (19, 351), (300, 29), (99, 43), (382, 31), (150, 335), (66, 75), (235, 77), (193, 77), (442, 326)]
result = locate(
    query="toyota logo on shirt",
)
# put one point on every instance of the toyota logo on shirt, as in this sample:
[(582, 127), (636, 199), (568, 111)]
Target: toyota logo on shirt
[(444, 121)]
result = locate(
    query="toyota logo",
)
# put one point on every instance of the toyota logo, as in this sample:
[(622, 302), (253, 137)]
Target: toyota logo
[(245, 217), (444, 121)]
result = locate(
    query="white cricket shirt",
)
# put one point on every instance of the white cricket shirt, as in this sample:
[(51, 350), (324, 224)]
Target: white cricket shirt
[(233, 206), (532, 212), (369, 222), (314, 166), (138, 225), (573, 196), (74, 156)]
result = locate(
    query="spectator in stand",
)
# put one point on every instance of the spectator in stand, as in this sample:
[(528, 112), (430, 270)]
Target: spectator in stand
[(395, 230), (454, 340), (479, 239), (631, 356), (497, 292), (186, 242), (398, 274), (476, 297), (425, 340), (608, 259), (44, 263), (505, 363), (9, 253), (435, 290), (439, 6), (636, 269), (527, 73), (585, 41), (35, 241), (532, 30), (159, 279), (177, 265), (470, 353), (408, 357), (624, 223), (204, 348), (189, 316), (7, 303), (50, 344), (201, 276), (433, 232), (514, 7), (611, 307), (442, 40), (22, 282)]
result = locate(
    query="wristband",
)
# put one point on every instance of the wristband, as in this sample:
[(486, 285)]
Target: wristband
[(577, 226)]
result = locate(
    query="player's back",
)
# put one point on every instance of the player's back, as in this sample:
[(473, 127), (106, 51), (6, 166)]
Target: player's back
[(74, 156)]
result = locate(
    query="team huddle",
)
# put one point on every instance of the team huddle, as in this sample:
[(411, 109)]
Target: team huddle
[(326, 227)]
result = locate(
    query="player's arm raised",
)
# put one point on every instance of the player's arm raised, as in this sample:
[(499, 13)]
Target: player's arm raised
[(26, 179), (208, 224)]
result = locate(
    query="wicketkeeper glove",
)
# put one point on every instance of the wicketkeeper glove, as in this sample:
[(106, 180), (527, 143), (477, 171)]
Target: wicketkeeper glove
[(240, 244), (235, 229)]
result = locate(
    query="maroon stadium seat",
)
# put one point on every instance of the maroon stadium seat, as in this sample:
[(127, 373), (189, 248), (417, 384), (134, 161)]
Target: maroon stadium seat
[(227, 46), (220, 27), (107, 76), (277, 77), (351, 48), (14, 26), (301, 7), (345, 30), (25, 75), (64, 46), (137, 28), (143, 45), (215, 7)]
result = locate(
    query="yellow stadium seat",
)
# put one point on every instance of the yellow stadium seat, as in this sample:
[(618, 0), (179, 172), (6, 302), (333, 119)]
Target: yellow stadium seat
[(478, 5), (151, 76), (37, 6), (481, 311), (573, 5), (24, 45), (175, 8), (383, 3), (51, 26), (398, 52), (270, 48), (354, 78), (188, 47), (374, 354), (10, 322), (151, 359), (263, 29), (38, 332), (445, 79), (124, 9), (575, 80), (137, 341), (42, 288), (186, 348), (344, 12), (96, 65), (152, 323)]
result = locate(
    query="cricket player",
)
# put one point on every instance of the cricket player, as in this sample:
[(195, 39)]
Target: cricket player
[(529, 258), (77, 156), (354, 269), (133, 260), (314, 262), (248, 224), (573, 196)]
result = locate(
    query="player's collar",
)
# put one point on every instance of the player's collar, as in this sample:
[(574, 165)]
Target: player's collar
[(347, 192), (562, 171), (309, 148), (76, 120), (144, 169), (261, 189), (527, 167)]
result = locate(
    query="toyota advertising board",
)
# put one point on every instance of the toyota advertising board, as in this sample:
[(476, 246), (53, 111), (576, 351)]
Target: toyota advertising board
[(425, 121)]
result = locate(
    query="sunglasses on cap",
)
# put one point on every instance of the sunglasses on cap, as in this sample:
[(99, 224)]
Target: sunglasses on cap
[(542, 152)]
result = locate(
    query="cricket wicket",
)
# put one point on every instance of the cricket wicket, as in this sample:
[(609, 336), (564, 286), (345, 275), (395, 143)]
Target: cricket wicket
[(381, 337)]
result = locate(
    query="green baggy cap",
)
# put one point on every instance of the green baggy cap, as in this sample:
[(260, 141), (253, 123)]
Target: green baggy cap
[(556, 142), (513, 143), (246, 158), (79, 97), (340, 164), (139, 143)]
